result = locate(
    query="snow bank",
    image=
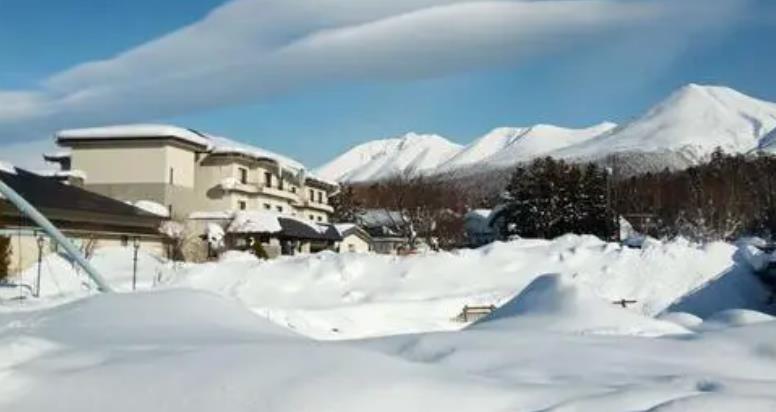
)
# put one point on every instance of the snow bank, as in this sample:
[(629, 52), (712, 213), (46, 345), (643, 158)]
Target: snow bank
[(184, 350), (735, 317), (338, 296), (559, 304)]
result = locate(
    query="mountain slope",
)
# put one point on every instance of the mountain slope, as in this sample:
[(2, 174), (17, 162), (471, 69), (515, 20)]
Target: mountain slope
[(381, 159), (507, 146), (692, 121), (681, 131)]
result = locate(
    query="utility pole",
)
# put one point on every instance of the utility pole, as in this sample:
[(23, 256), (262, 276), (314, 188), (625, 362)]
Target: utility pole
[(136, 246), (41, 242)]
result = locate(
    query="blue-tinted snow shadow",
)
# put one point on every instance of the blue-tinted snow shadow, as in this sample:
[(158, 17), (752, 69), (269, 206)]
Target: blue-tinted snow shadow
[(735, 288)]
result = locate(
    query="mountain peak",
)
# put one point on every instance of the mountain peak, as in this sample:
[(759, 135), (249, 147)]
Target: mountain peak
[(410, 153)]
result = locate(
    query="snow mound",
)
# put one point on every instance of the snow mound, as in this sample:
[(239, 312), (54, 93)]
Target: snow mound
[(560, 304), (735, 318), (717, 402), (183, 316)]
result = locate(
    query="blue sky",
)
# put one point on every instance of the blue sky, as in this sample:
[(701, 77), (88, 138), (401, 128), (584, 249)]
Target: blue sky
[(310, 80)]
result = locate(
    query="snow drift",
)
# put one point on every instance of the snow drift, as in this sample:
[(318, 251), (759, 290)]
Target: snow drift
[(557, 303)]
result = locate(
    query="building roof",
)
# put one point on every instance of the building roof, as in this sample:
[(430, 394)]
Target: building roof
[(347, 229), (64, 202), (222, 145), (133, 131), (272, 223)]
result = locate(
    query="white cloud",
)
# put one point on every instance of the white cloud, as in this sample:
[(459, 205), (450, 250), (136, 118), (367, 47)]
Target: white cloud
[(251, 49)]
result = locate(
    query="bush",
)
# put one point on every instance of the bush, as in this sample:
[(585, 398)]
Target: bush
[(5, 257)]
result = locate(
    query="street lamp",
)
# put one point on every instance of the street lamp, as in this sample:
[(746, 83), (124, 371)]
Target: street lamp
[(136, 246), (41, 241)]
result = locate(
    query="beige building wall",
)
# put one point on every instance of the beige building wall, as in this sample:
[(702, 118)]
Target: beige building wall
[(180, 165), (174, 176), (121, 163), (354, 243)]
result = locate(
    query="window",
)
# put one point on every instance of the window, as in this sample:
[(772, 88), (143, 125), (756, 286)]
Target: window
[(312, 195), (293, 189), (242, 205), (268, 179), (279, 208), (320, 219), (312, 217), (280, 183), (172, 176), (125, 240), (320, 197), (243, 175), (267, 206)]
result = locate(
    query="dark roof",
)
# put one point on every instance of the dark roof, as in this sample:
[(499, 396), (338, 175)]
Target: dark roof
[(296, 229), (50, 196)]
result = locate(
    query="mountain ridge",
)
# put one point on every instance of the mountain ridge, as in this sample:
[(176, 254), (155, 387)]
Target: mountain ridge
[(677, 132)]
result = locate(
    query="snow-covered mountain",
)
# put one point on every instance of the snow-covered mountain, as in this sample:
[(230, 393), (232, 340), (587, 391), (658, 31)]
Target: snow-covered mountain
[(506, 146), (380, 159), (681, 131), (690, 123)]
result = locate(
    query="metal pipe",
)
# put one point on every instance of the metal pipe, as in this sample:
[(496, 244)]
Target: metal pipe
[(27, 209)]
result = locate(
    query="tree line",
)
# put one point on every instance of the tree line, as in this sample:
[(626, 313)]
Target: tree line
[(727, 197)]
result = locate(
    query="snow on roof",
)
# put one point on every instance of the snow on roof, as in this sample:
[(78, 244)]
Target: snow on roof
[(79, 174), (224, 145), (146, 131), (344, 227), (311, 176), (61, 154), (479, 213), (381, 217), (152, 207), (7, 168), (255, 222)]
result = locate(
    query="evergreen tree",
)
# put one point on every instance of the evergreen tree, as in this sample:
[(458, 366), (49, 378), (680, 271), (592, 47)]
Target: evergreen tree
[(550, 198)]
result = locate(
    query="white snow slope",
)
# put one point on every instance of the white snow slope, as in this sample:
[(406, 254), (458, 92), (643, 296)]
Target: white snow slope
[(410, 154), (682, 130), (558, 344), (693, 120), (507, 146)]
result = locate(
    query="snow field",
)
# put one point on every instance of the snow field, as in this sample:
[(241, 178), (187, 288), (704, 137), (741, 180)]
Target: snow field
[(229, 335)]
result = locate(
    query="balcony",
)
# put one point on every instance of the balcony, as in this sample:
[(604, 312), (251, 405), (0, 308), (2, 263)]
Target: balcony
[(318, 206), (283, 194)]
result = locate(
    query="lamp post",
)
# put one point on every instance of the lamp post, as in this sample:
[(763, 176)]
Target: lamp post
[(136, 246), (41, 241)]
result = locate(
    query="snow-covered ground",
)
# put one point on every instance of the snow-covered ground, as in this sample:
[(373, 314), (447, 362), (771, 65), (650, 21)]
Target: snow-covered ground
[(235, 335)]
